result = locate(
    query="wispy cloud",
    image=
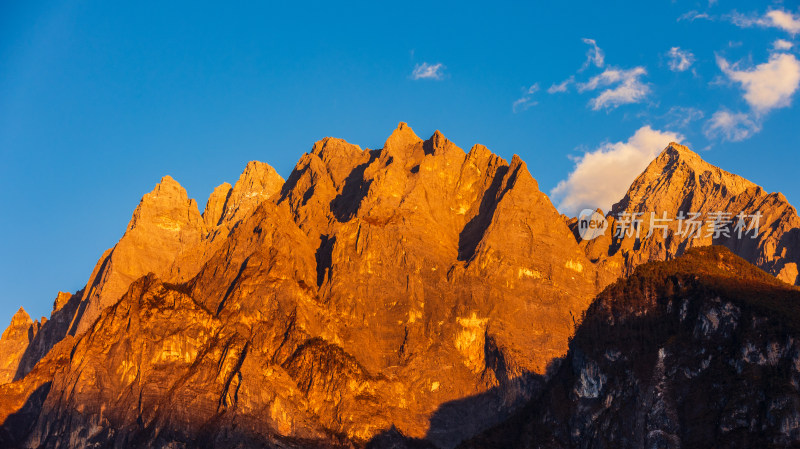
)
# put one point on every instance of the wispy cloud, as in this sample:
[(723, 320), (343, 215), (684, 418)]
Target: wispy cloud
[(428, 71), (526, 100), (681, 116), (731, 126), (562, 86), (775, 18), (601, 177), (620, 86), (691, 16), (624, 87), (679, 60), (769, 85), (594, 56)]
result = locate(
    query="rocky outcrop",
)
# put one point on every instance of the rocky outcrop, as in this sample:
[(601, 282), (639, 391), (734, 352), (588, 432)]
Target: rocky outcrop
[(215, 206), (43, 335), (257, 183), (678, 183), (14, 341), (21, 401), (702, 351), (25, 342)]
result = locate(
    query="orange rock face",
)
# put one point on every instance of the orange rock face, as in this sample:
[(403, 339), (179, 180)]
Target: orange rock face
[(415, 290), (14, 342), (168, 236), (367, 292), (165, 226)]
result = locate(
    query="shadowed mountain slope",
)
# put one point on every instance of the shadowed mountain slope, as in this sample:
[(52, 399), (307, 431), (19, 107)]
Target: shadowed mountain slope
[(700, 351)]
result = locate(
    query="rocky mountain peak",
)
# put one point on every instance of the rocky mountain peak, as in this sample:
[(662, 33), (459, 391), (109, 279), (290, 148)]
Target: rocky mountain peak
[(21, 318), (257, 182), (14, 342), (165, 227), (440, 146), (677, 148), (169, 187), (676, 176), (679, 181), (258, 178), (675, 156), (215, 206), (332, 148), (519, 168), (339, 158), (401, 140), (62, 298), (167, 206)]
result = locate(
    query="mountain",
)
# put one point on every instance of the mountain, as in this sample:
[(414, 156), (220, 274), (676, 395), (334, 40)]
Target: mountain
[(415, 291), (409, 296), (679, 182), (700, 351)]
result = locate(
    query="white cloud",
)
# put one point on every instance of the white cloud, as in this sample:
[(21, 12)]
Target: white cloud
[(562, 86), (621, 86), (784, 20), (602, 177), (782, 45), (679, 60), (691, 16), (776, 18), (526, 100), (626, 87), (594, 56), (730, 126), (769, 85), (428, 71)]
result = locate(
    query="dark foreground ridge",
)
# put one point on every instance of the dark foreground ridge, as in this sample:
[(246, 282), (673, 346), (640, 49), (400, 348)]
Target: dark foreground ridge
[(701, 351)]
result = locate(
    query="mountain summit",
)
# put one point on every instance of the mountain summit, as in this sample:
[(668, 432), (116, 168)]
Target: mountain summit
[(678, 183), (680, 179)]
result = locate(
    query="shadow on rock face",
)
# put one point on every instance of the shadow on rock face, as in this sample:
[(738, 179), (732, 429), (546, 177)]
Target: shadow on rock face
[(18, 425)]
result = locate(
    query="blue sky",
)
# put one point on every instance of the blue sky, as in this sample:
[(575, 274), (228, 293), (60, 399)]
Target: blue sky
[(99, 100)]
